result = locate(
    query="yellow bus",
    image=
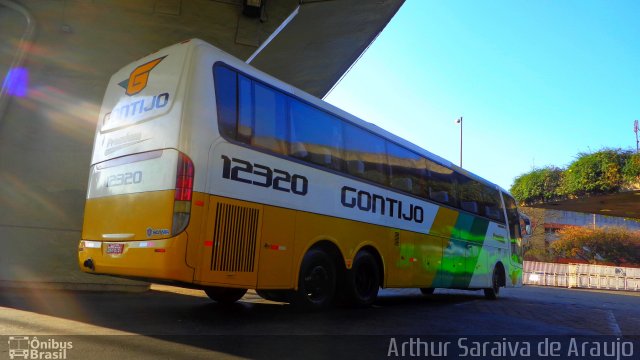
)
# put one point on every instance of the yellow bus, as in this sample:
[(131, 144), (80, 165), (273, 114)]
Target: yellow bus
[(208, 173)]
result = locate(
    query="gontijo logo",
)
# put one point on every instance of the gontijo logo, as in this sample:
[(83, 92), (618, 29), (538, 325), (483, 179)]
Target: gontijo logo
[(131, 109), (139, 76)]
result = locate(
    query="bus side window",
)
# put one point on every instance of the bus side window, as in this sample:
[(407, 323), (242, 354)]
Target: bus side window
[(492, 206), (262, 120), (407, 170), (316, 136), (245, 110), (470, 194), (513, 219), (226, 100), (368, 149), (270, 124), (439, 196), (442, 182)]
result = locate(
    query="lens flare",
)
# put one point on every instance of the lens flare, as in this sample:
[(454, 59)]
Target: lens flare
[(16, 82)]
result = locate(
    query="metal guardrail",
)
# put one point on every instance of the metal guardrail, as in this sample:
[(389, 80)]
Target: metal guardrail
[(585, 276)]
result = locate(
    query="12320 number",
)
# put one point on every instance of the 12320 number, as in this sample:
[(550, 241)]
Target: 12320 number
[(127, 178), (263, 176)]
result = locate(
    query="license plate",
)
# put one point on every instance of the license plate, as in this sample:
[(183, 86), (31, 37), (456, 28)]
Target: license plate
[(115, 248)]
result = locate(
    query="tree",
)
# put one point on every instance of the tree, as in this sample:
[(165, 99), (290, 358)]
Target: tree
[(631, 171), (596, 173), (537, 186), (614, 244)]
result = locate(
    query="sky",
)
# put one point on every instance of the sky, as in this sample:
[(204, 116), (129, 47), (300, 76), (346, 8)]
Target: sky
[(536, 82)]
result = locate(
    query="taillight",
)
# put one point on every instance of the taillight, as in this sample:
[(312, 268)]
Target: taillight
[(184, 178), (184, 192)]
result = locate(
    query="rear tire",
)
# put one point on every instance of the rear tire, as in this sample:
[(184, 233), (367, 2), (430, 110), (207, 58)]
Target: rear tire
[(493, 292), (316, 282), (362, 280), (224, 295)]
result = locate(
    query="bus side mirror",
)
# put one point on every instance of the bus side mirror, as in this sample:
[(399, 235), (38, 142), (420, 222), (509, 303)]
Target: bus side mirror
[(527, 229)]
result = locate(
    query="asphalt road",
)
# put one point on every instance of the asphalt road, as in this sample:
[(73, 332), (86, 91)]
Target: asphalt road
[(174, 323)]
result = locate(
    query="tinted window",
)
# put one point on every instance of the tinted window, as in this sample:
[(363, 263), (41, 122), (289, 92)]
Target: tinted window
[(226, 96), (470, 195), (365, 154), (270, 125), (316, 136), (245, 110), (441, 184), (408, 170), (514, 226), (262, 119), (513, 217), (479, 198), (492, 206)]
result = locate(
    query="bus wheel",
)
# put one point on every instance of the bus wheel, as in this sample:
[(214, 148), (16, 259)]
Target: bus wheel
[(224, 295), (363, 280), (493, 292), (317, 281), (427, 291)]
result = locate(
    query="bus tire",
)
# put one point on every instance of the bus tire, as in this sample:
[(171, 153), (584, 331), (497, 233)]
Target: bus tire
[(316, 282), (493, 292), (427, 291), (362, 280), (224, 295)]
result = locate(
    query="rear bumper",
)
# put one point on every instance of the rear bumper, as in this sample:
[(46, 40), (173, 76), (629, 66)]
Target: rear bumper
[(153, 259)]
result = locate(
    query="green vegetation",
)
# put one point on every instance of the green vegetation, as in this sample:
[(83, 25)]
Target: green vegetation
[(538, 185), (610, 245), (602, 172), (631, 170), (536, 246)]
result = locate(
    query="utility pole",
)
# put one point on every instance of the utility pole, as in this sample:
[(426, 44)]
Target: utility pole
[(635, 130), (459, 121)]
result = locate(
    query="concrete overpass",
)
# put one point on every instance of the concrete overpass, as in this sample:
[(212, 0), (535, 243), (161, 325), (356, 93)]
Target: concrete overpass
[(61, 53)]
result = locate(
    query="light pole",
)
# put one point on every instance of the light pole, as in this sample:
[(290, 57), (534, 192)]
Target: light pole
[(459, 121)]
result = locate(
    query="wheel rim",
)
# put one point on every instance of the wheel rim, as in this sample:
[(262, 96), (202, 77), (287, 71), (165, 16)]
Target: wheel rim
[(317, 283)]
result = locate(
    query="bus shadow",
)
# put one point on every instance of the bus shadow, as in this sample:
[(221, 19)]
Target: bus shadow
[(404, 297), (157, 312), (196, 321)]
